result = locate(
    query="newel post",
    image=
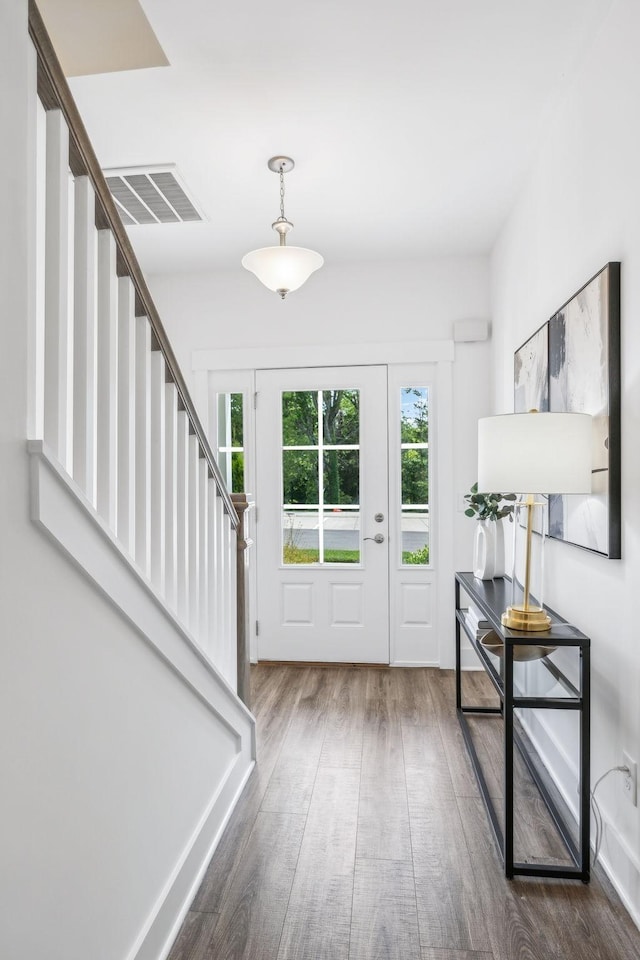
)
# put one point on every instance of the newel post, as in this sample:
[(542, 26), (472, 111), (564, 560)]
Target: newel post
[(243, 506)]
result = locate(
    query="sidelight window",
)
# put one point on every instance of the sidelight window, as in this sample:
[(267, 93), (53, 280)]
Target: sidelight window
[(414, 473)]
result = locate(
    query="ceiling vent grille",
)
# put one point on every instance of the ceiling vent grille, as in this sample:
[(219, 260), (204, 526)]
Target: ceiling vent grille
[(151, 195)]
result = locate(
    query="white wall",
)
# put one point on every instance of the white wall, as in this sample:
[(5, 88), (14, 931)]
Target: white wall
[(395, 302), (109, 761), (579, 209)]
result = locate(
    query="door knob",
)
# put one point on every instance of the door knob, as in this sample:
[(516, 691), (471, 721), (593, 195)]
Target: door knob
[(379, 517), (378, 538)]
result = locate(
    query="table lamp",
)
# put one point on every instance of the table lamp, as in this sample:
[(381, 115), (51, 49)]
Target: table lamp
[(540, 452)]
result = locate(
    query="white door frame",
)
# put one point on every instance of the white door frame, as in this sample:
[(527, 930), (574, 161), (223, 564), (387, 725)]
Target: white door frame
[(233, 369)]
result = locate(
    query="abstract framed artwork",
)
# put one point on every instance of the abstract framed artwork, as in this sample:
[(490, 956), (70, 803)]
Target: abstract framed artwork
[(531, 373), (572, 364)]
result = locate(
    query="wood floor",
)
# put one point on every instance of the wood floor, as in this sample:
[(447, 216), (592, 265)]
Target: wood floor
[(361, 836)]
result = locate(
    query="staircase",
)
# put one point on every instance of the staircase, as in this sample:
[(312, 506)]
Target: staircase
[(129, 744)]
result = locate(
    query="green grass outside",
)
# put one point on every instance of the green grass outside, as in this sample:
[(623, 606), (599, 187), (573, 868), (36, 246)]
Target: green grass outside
[(299, 555), (293, 555)]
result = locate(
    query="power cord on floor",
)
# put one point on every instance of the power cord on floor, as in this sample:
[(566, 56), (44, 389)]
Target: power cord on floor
[(597, 814)]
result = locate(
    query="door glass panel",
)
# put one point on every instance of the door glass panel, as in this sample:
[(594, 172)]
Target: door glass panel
[(300, 418), (300, 536), (341, 477), (414, 421), (415, 537), (300, 477), (231, 439), (414, 473), (237, 472), (341, 535), (341, 416), (415, 477), (321, 472)]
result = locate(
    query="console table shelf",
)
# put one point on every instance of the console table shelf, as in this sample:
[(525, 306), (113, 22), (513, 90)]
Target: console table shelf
[(529, 672)]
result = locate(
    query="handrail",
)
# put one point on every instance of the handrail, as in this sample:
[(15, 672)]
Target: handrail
[(54, 93), (243, 506)]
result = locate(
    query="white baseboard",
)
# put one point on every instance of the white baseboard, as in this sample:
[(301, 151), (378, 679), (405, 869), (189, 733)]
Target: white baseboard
[(157, 938)]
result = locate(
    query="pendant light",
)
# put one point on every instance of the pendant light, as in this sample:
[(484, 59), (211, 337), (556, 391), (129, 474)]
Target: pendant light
[(282, 268)]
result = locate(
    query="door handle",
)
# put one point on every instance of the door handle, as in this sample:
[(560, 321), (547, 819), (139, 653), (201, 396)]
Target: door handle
[(378, 538)]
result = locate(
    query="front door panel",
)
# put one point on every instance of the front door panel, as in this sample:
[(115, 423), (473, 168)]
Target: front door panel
[(322, 497)]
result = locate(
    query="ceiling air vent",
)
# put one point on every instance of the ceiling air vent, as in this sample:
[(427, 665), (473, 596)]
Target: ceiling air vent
[(151, 195)]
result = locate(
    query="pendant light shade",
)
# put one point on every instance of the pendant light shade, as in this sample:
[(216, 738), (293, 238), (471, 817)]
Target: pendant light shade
[(282, 268)]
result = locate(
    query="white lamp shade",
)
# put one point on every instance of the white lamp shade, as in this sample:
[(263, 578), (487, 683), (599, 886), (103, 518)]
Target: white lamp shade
[(535, 453), (282, 268)]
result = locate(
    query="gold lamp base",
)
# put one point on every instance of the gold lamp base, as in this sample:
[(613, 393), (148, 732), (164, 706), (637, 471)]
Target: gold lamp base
[(526, 619)]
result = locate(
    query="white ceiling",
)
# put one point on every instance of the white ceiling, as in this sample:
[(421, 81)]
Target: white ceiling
[(411, 124)]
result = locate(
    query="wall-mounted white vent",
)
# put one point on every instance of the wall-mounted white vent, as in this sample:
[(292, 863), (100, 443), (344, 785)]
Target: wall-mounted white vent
[(151, 195)]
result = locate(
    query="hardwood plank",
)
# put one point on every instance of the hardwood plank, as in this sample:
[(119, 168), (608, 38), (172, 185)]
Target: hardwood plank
[(382, 753), (194, 935), (383, 816), (318, 920), (344, 728), (383, 832), (252, 912), (383, 819), (426, 769), (291, 785), (294, 774), (430, 954), (442, 687), (450, 912), (385, 923)]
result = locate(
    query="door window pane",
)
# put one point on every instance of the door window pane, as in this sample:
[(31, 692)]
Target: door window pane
[(300, 536), (237, 472), (340, 416), (341, 536), (414, 422), (415, 537), (300, 477), (414, 474), (300, 418), (341, 477), (230, 413), (320, 476)]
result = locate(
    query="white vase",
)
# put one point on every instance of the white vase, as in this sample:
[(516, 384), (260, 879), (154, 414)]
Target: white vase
[(500, 566), (488, 550)]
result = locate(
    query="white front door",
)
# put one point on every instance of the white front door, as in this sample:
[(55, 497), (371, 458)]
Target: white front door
[(322, 497)]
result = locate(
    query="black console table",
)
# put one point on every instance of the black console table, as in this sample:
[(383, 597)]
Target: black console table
[(529, 671)]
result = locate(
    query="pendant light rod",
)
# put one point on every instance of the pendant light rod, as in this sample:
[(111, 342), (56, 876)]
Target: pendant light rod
[(281, 165)]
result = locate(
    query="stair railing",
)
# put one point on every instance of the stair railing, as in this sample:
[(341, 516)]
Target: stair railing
[(113, 408)]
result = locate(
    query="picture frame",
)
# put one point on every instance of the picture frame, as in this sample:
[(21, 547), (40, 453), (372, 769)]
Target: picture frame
[(572, 364)]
